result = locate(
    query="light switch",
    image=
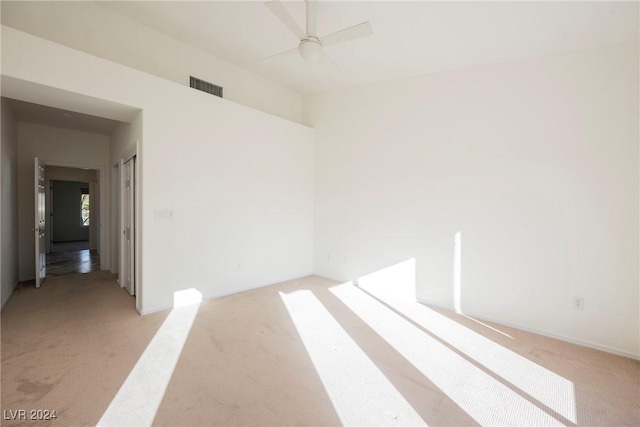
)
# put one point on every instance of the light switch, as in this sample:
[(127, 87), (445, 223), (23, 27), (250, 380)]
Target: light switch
[(160, 214)]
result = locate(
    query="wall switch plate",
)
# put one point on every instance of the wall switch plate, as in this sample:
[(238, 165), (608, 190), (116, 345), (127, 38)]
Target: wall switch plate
[(159, 214)]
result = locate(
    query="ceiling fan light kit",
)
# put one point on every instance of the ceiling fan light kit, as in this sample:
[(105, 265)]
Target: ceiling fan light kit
[(311, 47), (310, 50)]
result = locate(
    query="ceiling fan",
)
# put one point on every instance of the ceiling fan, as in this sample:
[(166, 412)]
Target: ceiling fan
[(311, 47)]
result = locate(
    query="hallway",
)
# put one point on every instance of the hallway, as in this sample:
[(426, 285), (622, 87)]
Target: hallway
[(78, 245), (72, 262)]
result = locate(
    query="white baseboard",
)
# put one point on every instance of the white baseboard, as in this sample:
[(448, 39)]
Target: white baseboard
[(6, 300), (548, 334), (144, 312)]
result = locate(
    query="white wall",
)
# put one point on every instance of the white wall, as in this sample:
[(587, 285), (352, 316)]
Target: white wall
[(8, 203), (124, 138), (53, 146), (89, 27), (535, 163), (239, 181), (66, 225)]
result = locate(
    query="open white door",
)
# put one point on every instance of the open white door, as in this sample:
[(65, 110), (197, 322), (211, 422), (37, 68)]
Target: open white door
[(39, 227), (127, 215)]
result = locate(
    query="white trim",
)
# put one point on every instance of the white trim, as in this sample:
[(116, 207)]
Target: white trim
[(120, 221), (4, 303), (138, 223), (560, 337), (222, 294), (114, 220), (129, 153)]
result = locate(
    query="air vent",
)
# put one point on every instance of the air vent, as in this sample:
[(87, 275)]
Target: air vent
[(205, 86)]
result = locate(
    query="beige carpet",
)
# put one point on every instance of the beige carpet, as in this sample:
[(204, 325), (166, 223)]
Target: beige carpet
[(303, 352)]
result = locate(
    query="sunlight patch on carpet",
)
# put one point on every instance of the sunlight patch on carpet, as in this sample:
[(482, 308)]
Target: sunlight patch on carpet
[(466, 381), (359, 391), (139, 397), (544, 386)]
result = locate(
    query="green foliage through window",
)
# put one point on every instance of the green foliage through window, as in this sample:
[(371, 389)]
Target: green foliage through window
[(84, 208)]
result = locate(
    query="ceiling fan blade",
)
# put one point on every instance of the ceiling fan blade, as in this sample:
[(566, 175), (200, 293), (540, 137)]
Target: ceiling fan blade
[(281, 13), (280, 55), (351, 33)]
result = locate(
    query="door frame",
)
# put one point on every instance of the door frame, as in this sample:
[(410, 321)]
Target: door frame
[(40, 226), (115, 219), (102, 175), (127, 154)]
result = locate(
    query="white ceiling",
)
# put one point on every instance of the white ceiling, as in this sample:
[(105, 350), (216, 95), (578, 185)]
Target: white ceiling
[(49, 116), (410, 38)]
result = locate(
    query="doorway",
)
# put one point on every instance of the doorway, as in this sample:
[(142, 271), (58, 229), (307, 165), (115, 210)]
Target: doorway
[(68, 138), (73, 211)]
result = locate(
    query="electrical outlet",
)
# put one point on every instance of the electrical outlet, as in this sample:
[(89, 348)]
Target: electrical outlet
[(578, 303)]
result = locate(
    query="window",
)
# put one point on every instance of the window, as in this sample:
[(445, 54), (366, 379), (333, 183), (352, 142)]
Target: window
[(84, 207)]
